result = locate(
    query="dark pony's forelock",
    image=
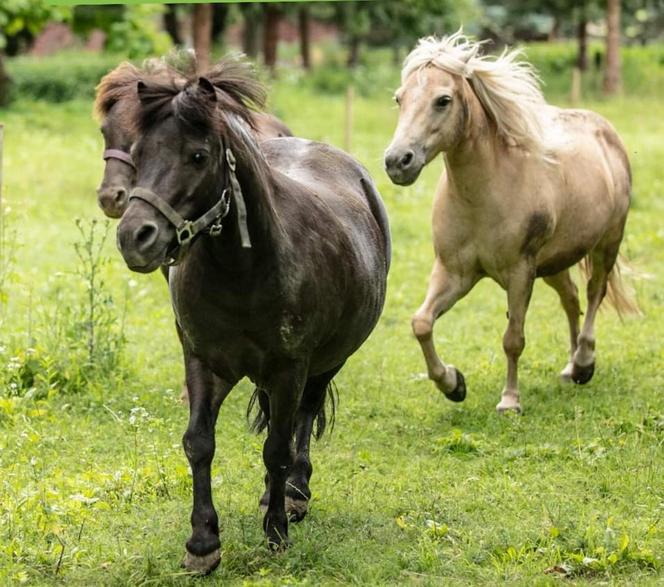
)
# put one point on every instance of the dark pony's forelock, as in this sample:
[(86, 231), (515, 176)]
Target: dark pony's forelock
[(238, 92)]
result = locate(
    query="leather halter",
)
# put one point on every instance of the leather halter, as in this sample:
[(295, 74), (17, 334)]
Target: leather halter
[(120, 156), (210, 222)]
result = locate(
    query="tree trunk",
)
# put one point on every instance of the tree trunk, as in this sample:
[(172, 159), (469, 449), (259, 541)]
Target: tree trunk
[(612, 79), (219, 17), (353, 51), (171, 24), (272, 19), (305, 40), (5, 83), (582, 38), (202, 33), (251, 33)]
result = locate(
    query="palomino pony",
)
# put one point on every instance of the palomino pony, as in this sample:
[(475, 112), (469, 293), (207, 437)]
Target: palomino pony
[(528, 191), (281, 255)]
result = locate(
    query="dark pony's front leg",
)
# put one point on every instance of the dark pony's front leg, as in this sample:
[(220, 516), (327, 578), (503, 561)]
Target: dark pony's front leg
[(284, 390), (206, 394)]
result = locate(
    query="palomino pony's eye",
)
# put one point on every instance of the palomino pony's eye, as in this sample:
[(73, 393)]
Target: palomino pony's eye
[(198, 158), (442, 101), (397, 100)]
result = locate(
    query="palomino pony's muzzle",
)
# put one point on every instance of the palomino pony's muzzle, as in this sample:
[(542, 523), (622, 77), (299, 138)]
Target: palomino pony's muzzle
[(403, 165)]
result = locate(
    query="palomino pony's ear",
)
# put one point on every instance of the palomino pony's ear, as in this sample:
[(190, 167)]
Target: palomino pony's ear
[(207, 88)]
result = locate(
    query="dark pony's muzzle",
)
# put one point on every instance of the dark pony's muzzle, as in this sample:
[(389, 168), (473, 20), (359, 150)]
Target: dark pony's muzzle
[(119, 175)]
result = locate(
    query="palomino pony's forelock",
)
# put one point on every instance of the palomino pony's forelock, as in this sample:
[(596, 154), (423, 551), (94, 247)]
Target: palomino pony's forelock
[(507, 87)]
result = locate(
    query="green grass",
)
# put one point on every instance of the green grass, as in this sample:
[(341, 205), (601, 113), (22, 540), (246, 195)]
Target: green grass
[(409, 488)]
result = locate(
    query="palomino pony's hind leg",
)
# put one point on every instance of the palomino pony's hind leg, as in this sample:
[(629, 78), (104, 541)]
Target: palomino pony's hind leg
[(519, 290), (445, 289), (569, 298), (602, 261)]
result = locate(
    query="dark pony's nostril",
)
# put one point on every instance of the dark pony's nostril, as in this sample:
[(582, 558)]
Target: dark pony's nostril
[(146, 234), (406, 159), (121, 196)]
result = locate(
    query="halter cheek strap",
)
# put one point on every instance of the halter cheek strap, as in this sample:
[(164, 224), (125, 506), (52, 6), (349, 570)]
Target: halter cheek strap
[(187, 230), (120, 156)]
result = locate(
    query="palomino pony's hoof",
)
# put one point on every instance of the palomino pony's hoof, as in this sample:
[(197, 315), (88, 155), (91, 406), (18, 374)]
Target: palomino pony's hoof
[(202, 565), (509, 403), (582, 375), (458, 394)]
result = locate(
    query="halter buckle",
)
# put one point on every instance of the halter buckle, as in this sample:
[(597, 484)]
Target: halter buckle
[(185, 232)]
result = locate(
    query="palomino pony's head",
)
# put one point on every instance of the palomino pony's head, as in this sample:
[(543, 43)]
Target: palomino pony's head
[(181, 157), (448, 91)]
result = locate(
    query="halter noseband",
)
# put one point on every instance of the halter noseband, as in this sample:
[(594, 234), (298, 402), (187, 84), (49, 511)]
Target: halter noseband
[(120, 156), (210, 222)]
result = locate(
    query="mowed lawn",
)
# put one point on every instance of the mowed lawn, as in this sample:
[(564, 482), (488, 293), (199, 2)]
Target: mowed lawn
[(409, 488)]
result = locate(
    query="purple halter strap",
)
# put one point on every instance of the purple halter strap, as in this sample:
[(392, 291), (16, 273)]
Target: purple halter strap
[(120, 156)]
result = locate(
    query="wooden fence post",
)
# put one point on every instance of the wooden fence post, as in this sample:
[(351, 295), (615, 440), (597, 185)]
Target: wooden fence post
[(348, 127), (575, 94)]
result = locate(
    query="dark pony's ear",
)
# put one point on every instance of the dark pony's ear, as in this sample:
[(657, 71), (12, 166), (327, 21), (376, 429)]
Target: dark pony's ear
[(207, 88), (141, 89)]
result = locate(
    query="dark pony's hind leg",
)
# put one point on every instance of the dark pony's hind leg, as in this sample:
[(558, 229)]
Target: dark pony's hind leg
[(312, 403)]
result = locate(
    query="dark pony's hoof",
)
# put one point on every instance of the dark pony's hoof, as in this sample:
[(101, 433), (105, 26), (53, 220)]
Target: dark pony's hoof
[(202, 565), (458, 394), (582, 375)]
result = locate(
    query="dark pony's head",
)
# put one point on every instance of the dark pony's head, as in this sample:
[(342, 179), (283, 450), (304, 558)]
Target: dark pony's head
[(182, 130)]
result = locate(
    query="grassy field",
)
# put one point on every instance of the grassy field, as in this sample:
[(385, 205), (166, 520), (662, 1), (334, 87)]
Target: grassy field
[(409, 488)]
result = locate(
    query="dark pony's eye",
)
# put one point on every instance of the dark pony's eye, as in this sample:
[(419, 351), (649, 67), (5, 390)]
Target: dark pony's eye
[(198, 158), (442, 101)]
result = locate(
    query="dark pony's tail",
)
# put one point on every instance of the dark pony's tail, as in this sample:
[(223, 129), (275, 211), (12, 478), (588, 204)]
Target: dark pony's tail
[(261, 418)]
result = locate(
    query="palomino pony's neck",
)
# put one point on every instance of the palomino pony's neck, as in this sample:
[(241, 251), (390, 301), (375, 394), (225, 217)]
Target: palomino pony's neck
[(472, 161)]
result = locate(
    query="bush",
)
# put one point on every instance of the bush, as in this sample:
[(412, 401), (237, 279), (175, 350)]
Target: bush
[(60, 78)]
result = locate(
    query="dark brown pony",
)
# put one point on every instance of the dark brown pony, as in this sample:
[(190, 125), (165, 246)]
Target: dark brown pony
[(113, 106), (280, 257)]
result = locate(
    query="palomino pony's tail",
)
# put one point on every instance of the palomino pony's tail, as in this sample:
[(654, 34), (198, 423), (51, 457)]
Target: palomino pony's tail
[(618, 293), (262, 419)]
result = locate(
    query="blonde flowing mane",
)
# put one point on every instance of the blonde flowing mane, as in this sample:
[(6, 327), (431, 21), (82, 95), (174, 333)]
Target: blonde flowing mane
[(508, 88)]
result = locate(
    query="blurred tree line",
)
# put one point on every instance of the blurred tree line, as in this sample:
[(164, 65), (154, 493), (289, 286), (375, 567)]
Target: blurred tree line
[(142, 30)]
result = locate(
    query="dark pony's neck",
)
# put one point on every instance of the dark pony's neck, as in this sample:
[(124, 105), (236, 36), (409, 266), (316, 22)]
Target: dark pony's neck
[(256, 183)]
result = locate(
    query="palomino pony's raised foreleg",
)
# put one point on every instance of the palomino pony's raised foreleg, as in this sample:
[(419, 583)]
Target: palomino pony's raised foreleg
[(445, 289)]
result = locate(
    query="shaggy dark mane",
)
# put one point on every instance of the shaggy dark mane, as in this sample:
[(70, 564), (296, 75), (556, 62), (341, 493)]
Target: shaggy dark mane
[(238, 92), (116, 85)]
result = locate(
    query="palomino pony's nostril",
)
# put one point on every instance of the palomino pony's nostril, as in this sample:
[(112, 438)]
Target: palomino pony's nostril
[(406, 160), (145, 235)]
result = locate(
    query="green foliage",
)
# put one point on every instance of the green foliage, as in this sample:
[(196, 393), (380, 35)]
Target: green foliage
[(77, 339), (30, 15), (137, 34), (58, 78)]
